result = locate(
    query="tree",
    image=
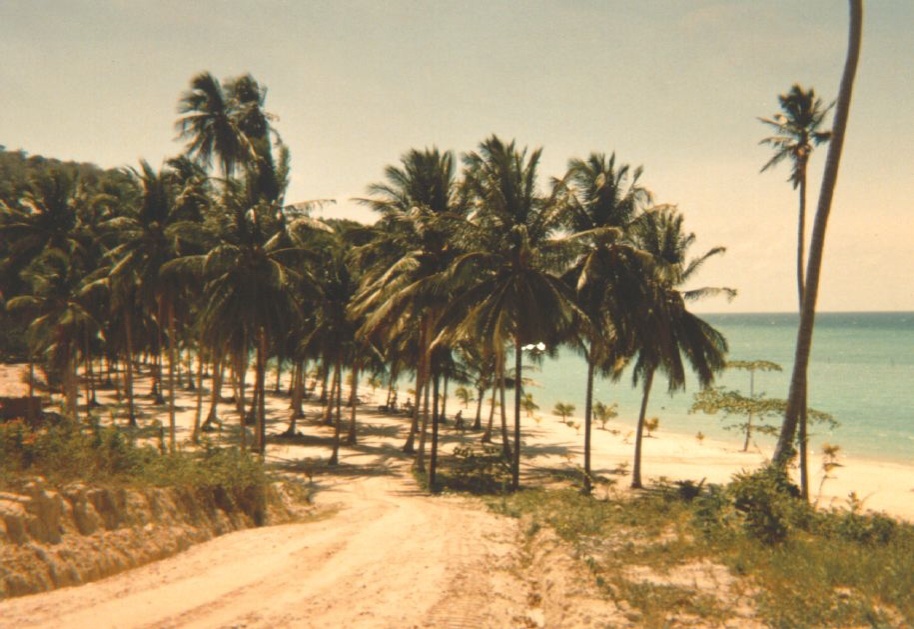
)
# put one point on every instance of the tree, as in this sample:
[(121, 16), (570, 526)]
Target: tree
[(224, 121), (603, 201), (402, 293), (798, 130), (510, 294), (798, 381), (664, 331), (563, 410)]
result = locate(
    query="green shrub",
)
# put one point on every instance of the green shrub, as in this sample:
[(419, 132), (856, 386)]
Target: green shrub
[(768, 502)]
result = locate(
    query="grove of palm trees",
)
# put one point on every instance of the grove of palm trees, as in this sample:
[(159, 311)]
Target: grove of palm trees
[(139, 297), (202, 265)]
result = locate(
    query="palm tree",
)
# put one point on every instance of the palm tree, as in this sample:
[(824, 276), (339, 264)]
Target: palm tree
[(221, 120), (798, 130), (603, 202), (796, 399), (61, 321), (151, 238), (413, 246), (664, 331), (509, 293)]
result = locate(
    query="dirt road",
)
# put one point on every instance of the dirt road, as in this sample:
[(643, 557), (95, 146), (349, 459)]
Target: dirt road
[(389, 557)]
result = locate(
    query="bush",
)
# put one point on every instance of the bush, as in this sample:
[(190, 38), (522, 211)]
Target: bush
[(768, 502)]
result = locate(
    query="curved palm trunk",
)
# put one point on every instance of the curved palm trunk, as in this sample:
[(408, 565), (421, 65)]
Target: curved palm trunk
[(798, 380), (216, 393), (505, 441), (639, 433)]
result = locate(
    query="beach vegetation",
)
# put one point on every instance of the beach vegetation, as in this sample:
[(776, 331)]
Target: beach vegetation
[(749, 552)]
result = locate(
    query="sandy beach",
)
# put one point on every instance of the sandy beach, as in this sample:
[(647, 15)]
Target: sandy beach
[(385, 554)]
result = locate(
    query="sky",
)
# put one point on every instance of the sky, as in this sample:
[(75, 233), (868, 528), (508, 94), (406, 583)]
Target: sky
[(674, 86)]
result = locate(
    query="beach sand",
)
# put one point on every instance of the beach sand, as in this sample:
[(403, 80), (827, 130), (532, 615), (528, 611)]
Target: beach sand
[(385, 554)]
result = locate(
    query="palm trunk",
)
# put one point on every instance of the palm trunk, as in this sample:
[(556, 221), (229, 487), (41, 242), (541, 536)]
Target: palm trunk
[(216, 393), (171, 376), (518, 360), (798, 381), (260, 419), (433, 458), (352, 438), (423, 430), (198, 413), (480, 394), (487, 435), (128, 371), (639, 433), (588, 421), (505, 441), (337, 377)]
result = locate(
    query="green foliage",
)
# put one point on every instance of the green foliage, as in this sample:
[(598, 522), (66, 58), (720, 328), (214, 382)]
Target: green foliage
[(563, 410), (108, 455), (795, 567)]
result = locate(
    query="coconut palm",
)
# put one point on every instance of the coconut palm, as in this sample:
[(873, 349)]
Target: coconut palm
[(413, 246), (798, 381), (798, 128), (222, 121), (602, 201), (664, 332), (509, 294), (156, 234), (60, 321)]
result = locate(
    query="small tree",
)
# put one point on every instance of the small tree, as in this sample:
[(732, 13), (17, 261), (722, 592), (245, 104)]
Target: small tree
[(563, 410), (604, 412), (528, 404), (651, 425), (717, 399), (464, 395)]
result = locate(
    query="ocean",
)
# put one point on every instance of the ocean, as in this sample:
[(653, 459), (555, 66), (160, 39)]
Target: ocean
[(861, 372)]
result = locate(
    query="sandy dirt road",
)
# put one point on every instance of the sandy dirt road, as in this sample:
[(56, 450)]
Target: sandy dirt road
[(389, 557)]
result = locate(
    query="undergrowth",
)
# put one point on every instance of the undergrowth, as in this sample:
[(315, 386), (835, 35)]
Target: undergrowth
[(782, 562), (112, 456)]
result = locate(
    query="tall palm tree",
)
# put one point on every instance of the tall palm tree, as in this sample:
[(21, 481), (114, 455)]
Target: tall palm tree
[(156, 234), (210, 125), (798, 128), (510, 293), (796, 399), (603, 201), (60, 321), (420, 208), (664, 331)]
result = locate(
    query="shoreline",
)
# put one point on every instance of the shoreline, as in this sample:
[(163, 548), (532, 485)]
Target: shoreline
[(548, 443)]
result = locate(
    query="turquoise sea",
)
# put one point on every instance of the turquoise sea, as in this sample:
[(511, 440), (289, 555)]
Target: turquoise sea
[(862, 372)]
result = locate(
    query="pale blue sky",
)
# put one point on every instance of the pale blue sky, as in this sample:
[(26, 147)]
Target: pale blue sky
[(672, 85)]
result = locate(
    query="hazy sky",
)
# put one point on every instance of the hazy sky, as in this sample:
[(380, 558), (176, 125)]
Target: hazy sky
[(673, 85)]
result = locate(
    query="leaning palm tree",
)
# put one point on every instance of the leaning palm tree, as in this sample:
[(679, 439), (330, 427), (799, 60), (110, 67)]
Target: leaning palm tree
[(663, 331), (796, 399)]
